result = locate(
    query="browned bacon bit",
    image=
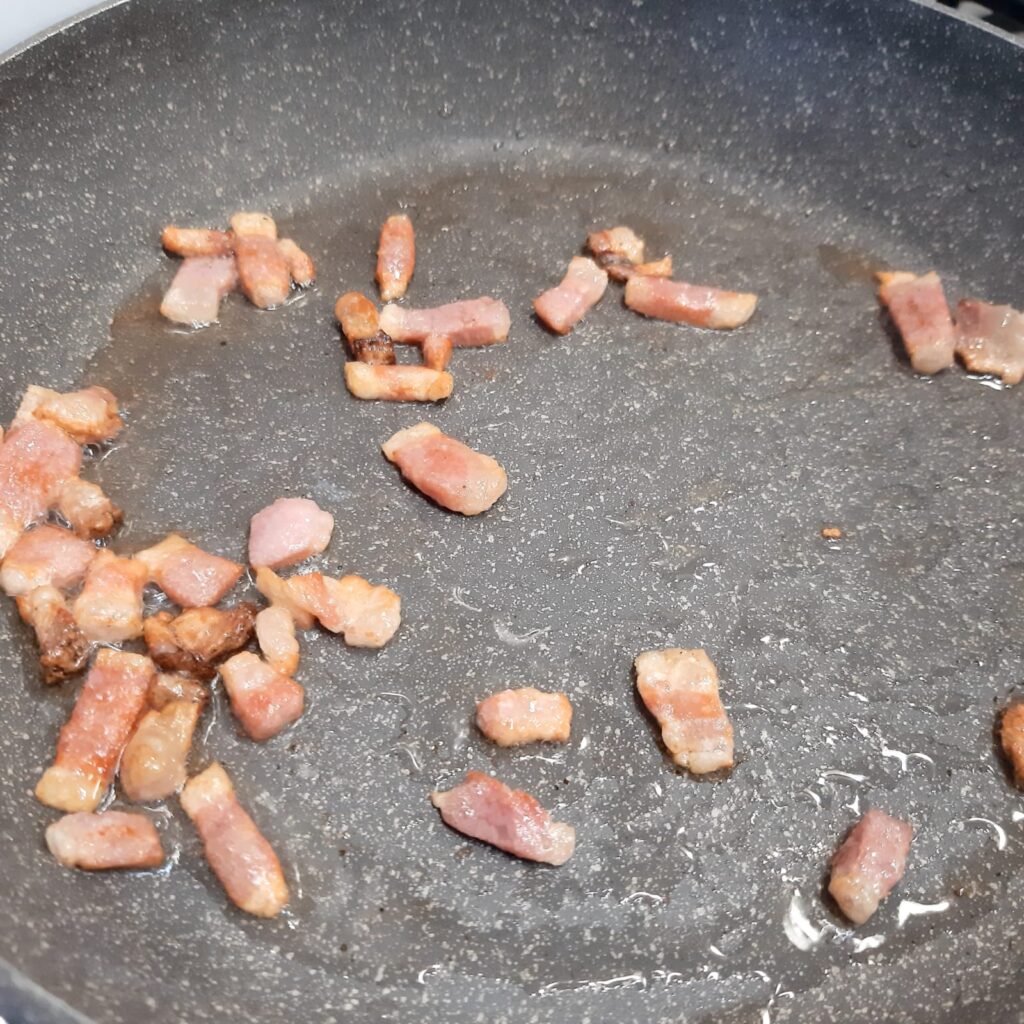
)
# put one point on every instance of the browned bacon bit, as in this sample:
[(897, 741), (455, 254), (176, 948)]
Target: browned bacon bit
[(396, 256), (275, 633), (514, 717), (680, 688), (869, 864), (613, 247), (243, 861), (200, 284), (198, 638), (446, 470), (109, 608), (831, 533), (561, 308), (468, 324), (63, 647), (91, 742), (281, 593), (366, 615), (188, 575), (437, 351), (88, 416), (1011, 735), (511, 820), (87, 510), (196, 241), (169, 687), (358, 317), (376, 351), (261, 225), (263, 701), (689, 303), (398, 383), (990, 339), (45, 556), (918, 308), (106, 841), (300, 266), (153, 763)]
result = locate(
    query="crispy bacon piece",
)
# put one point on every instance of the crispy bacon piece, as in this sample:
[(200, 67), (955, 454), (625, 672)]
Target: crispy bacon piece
[(109, 608), (63, 647), (300, 266), (88, 511), (376, 351), (689, 303), (36, 460), (105, 841), (680, 688), (869, 864), (918, 308), (263, 701), (514, 717), (197, 290), (470, 323), (196, 241), (357, 315), (153, 763), (614, 247), (275, 633), (288, 531), (260, 225), (108, 706), (188, 575), (396, 256), (169, 687), (365, 615), (1011, 735), (513, 821), (198, 638), (89, 416), (446, 470), (990, 339), (45, 556), (437, 351), (397, 383), (563, 307), (243, 861)]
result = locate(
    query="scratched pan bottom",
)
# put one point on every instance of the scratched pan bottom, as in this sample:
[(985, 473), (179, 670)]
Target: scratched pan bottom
[(667, 487)]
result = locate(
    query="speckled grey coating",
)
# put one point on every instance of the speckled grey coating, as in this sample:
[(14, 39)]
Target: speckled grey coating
[(667, 487)]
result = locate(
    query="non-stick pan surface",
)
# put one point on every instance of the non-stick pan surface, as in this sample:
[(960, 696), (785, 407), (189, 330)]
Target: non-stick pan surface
[(667, 488)]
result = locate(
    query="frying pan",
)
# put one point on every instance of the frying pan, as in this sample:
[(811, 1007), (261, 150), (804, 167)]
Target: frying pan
[(668, 487)]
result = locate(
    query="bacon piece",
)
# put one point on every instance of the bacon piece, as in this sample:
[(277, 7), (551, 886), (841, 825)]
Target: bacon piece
[(196, 241), (88, 416), (45, 556), (398, 383), (88, 511), (514, 717), (275, 633), (563, 307), (261, 225), (240, 857), (195, 640), (680, 688), (300, 266), (656, 268), (513, 821), (437, 351), (469, 323), (108, 706), (689, 303), (263, 701), (63, 647), (365, 615), (105, 841), (396, 256), (153, 763), (36, 460), (169, 687), (188, 575), (288, 531), (918, 308), (869, 864), (990, 339), (197, 290), (280, 592), (446, 470), (1011, 735), (375, 351), (357, 315), (614, 247), (109, 608), (262, 270)]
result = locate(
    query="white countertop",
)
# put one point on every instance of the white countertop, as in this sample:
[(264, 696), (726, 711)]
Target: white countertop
[(20, 19)]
